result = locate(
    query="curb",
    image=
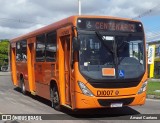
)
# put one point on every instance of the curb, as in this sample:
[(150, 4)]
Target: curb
[(154, 80), (153, 97), (5, 73)]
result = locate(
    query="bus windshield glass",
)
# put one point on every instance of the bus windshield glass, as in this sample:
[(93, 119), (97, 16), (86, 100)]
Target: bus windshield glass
[(124, 54)]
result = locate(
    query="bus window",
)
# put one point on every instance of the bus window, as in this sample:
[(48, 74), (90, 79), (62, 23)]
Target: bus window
[(136, 50), (51, 47), (18, 51), (24, 50), (40, 48)]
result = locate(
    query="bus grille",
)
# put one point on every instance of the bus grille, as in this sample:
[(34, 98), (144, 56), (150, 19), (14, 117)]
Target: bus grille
[(107, 102), (114, 84)]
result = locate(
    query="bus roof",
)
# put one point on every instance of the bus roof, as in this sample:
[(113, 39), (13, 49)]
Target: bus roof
[(61, 23)]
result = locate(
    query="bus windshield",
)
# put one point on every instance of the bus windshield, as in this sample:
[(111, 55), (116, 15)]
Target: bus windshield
[(124, 53)]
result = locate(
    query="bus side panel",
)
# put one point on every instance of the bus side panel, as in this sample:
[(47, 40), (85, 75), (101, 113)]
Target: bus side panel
[(49, 72), (43, 90), (42, 86), (13, 66), (25, 75), (22, 70), (43, 83)]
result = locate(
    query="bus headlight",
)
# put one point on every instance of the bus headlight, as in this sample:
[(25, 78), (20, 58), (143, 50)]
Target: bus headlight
[(143, 88), (85, 90)]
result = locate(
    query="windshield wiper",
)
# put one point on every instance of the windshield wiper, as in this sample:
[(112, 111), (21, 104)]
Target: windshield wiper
[(113, 52), (101, 39)]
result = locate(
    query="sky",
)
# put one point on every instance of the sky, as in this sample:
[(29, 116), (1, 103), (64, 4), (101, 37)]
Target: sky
[(18, 17)]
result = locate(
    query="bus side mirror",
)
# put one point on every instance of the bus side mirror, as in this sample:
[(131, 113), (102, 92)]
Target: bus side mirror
[(76, 44)]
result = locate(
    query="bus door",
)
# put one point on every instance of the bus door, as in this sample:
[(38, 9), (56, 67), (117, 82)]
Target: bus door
[(65, 64), (67, 67), (30, 55)]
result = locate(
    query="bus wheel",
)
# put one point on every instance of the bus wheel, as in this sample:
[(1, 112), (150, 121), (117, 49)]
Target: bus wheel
[(55, 101), (23, 88)]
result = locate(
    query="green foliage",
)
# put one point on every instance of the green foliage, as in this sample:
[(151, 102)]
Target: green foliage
[(3, 51), (152, 86), (157, 76)]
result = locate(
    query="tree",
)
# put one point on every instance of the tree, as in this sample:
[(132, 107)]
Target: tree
[(4, 52)]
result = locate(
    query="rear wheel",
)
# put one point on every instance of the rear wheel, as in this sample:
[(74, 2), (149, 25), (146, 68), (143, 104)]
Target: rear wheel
[(55, 101), (23, 88)]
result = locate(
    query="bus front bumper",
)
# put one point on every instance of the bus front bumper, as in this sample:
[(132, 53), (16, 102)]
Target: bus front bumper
[(86, 102)]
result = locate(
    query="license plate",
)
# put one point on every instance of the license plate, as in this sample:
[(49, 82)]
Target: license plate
[(113, 105)]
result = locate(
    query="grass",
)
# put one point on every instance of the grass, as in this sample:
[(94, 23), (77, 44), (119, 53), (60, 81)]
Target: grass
[(151, 87)]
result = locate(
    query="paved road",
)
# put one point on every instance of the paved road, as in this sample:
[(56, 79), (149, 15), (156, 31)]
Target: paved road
[(13, 102)]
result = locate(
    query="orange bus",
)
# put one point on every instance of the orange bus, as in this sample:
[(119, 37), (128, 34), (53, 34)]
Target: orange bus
[(83, 62)]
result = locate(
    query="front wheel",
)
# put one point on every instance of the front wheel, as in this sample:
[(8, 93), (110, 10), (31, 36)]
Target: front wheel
[(55, 101)]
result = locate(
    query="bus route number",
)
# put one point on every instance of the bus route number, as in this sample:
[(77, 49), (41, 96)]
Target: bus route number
[(104, 92)]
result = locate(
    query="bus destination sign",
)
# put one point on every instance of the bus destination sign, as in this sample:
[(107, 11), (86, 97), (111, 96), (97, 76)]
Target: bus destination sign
[(113, 26), (107, 25)]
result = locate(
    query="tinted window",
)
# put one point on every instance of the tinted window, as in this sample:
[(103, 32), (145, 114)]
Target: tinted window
[(18, 51), (21, 50), (24, 49), (40, 48), (51, 47)]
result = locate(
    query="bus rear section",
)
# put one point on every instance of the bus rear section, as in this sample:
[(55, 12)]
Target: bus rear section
[(111, 69)]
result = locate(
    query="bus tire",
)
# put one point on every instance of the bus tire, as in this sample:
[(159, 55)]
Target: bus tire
[(23, 88), (55, 100)]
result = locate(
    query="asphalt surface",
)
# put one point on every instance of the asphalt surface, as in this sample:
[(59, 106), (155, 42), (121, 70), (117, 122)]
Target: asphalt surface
[(13, 102)]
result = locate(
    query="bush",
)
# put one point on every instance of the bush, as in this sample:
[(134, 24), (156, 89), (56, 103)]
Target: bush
[(4, 52), (157, 76)]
